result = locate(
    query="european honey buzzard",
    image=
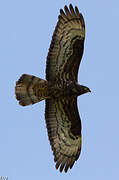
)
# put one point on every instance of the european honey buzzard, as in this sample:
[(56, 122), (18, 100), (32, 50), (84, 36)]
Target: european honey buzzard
[(60, 89)]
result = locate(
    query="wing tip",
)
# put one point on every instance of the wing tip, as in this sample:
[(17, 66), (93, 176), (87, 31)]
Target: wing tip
[(69, 12), (65, 162)]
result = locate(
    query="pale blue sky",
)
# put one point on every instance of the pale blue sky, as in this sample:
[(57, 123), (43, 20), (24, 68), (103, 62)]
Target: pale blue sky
[(26, 27)]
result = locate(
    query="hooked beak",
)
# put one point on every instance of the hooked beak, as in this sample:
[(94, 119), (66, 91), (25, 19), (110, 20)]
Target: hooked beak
[(89, 90)]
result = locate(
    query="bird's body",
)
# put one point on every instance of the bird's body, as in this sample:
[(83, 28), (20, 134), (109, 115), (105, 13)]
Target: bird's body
[(60, 89)]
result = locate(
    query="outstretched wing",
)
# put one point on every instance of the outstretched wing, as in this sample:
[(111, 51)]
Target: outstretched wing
[(66, 47), (64, 131)]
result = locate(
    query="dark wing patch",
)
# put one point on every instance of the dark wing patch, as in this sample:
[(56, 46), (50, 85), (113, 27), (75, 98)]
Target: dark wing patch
[(64, 131), (66, 47)]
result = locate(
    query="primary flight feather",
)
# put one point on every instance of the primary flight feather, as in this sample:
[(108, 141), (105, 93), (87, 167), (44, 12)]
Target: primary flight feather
[(60, 89)]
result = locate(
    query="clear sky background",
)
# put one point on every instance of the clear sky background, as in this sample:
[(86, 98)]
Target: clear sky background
[(26, 28)]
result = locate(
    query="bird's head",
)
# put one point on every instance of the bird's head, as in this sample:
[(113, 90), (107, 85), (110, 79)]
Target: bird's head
[(84, 89), (80, 89)]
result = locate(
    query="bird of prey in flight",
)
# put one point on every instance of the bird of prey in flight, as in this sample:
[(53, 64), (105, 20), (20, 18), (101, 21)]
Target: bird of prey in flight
[(60, 89)]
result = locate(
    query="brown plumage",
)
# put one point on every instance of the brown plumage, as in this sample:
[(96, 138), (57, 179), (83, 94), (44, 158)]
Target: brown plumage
[(60, 89)]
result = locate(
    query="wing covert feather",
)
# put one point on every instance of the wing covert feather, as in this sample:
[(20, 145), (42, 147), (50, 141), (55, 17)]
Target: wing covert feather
[(64, 131), (67, 45)]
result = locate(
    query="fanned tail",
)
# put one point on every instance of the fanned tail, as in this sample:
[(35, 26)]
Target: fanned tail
[(30, 89)]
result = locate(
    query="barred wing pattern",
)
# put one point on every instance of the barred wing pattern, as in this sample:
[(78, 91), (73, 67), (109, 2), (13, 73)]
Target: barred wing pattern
[(60, 91), (64, 131), (66, 47)]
